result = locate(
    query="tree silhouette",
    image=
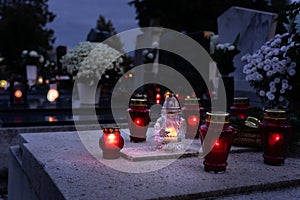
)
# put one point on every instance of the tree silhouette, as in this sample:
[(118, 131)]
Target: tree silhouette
[(194, 15), (105, 25), (23, 26)]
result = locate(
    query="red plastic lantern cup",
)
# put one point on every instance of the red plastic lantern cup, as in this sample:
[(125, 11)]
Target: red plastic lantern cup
[(193, 114), (216, 160), (275, 133), (138, 119), (111, 142), (240, 107)]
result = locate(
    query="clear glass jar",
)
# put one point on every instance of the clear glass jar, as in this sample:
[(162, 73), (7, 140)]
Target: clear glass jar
[(170, 127)]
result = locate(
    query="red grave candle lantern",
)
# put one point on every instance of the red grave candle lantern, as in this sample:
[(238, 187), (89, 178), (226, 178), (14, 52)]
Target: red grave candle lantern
[(138, 119), (111, 142), (240, 107), (216, 160), (193, 114), (275, 133)]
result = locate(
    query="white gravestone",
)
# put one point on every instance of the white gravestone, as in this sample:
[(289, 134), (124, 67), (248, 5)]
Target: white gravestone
[(255, 28)]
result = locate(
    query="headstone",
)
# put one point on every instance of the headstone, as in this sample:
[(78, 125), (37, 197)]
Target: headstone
[(255, 28), (31, 74)]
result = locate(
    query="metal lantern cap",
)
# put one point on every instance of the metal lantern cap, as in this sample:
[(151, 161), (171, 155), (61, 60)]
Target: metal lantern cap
[(192, 101), (111, 129), (241, 101), (138, 102), (171, 104), (277, 114), (217, 117), (252, 122)]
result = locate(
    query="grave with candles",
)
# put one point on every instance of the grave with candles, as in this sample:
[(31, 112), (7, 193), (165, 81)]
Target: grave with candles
[(166, 139)]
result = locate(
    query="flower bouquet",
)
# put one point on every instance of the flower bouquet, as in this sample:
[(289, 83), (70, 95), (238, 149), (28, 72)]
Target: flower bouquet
[(89, 61), (270, 70), (223, 55)]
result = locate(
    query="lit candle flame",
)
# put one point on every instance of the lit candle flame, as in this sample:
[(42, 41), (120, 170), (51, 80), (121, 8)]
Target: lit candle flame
[(172, 132)]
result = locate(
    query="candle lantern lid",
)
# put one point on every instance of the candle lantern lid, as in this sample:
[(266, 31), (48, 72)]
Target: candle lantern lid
[(241, 101), (252, 122), (171, 105), (139, 100), (192, 101), (217, 117), (277, 114), (111, 129)]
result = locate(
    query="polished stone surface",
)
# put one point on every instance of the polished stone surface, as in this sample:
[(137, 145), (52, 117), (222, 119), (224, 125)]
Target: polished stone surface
[(255, 28), (58, 166)]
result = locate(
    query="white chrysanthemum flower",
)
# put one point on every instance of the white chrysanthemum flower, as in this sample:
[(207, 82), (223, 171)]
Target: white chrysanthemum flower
[(273, 89), (25, 52), (278, 41), (254, 69), (277, 80), (260, 65), (271, 97), (244, 58), (259, 77), (291, 72), (267, 67), (33, 54), (285, 86), (283, 48), (269, 73), (249, 78), (275, 59), (276, 52), (273, 44), (293, 64), (262, 93), (144, 52), (231, 48), (270, 54), (272, 84), (220, 46), (150, 55), (284, 81), (281, 98)]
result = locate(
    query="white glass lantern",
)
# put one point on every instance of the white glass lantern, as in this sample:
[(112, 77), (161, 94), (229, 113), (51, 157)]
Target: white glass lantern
[(170, 127)]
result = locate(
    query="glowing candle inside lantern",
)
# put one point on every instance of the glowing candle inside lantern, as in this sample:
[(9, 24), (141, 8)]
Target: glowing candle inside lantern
[(275, 138), (193, 120), (171, 131), (18, 94), (138, 118), (40, 80), (138, 121), (275, 132), (111, 143)]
